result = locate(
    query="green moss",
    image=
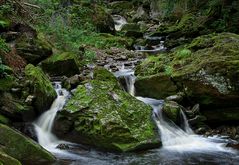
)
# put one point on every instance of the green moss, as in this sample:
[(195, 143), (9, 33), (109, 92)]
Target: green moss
[(40, 86), (62, 57), (102, 74), (183, 53), (172, 111), (7, 83), (22, 148), (109, 118), (3, 119), (8, 160), (206, 70)]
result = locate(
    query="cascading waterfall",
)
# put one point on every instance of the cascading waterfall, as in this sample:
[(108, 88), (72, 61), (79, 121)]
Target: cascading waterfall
[(173, 137), (43, 125), (129, 77)]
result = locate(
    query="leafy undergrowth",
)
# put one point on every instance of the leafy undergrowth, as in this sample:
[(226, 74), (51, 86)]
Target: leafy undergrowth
[(69, 29)]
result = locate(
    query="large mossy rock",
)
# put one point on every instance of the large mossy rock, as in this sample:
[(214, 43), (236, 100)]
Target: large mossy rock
[(22, 148), (6, 159), (14, 108), (157, 86), (101, 114), (206, 71), (33, 49), (172, 111), (66, 63), (40, 87)]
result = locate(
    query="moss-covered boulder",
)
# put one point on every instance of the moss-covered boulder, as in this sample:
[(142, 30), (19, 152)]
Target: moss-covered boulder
[(7, 82), (66, 63), (101, 114), (206, 71), (172, 111), (14, 108), (157, 86), (33, 49), (121, 7), (40, 87), (153, 78), (6, 159), (22, 148), (133, 30)]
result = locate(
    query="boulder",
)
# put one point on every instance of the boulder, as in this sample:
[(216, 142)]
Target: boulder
[(6, 159), (121, 7), (206, 71), (157, 86), (133, 30), (33, 49), (64, 64), (101, 114), (14, 108), (22, 148), (172, 111), (40, 87), (140, 15)]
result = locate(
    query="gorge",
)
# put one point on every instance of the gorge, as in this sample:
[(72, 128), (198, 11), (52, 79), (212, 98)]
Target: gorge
[(119, 82)]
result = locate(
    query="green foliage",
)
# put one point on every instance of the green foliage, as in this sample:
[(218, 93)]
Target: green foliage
[(168, 70), (91, 55), (6, 9), (4, 23), (3, 69), (69, 27), (3, 45), (183, 53)]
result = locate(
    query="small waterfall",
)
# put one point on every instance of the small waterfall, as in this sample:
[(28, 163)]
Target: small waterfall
[(119, 22), (43, 125), (156, 45), (174, 138), (185, 125), (129, 77)]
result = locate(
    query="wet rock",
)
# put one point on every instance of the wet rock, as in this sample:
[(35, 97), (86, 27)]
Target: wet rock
[(63, 146), (29, 99), (206, 71), (106, 117), (133, 30), (172, 110), (140, 15), (64, 64), (27, 129), (6, 159), (121, 7), (40, 87), (15, 109), (156, 86), (22, 148), (177, 98), (197, 119), (33, 50)]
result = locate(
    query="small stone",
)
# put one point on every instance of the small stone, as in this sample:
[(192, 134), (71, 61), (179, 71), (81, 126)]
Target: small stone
[(63, 146), (29, 99)]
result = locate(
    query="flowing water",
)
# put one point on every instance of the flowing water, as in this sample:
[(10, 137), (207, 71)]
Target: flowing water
[(180, 145), (119, 22)]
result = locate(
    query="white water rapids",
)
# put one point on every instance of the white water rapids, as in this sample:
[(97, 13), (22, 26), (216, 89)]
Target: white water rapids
[(44, 123), (180, 146), (173, 137)]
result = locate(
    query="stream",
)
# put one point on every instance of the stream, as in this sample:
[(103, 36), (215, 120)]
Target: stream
[(180, 145)]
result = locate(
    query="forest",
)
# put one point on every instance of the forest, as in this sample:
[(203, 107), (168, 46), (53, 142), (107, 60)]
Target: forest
[(119, 82)]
